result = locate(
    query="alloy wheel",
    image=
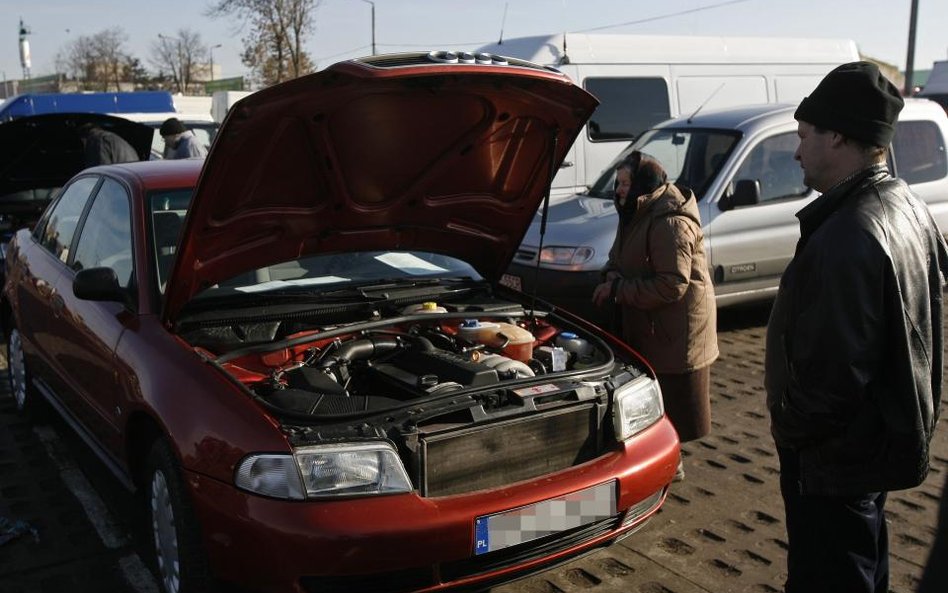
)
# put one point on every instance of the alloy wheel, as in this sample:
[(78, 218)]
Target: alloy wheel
[(165, 534), (17, 369)]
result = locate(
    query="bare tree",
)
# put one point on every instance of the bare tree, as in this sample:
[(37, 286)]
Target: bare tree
[(183, 55), (273, 48), (98, 61)]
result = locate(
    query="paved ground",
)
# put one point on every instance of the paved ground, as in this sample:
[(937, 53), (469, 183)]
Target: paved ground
[(720, 531)]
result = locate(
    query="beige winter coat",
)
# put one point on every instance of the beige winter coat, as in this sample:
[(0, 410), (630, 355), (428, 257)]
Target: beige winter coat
[(666, 296)]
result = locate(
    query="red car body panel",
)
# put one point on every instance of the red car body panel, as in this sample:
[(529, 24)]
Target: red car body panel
[(403, 532)]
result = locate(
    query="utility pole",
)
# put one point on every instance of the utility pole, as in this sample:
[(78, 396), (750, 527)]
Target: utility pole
[(910, 60), (211, 52), (373, 24)]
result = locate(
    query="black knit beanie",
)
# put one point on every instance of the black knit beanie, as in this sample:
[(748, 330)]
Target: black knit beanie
[(855, 100)]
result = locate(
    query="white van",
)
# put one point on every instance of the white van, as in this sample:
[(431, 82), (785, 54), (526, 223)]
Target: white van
[(641, 80), (739, 162)]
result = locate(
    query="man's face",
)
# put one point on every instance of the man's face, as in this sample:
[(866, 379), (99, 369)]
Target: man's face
[(815, 156)]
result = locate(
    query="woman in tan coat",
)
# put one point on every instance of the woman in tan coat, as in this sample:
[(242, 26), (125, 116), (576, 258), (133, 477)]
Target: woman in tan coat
[(658, 276)]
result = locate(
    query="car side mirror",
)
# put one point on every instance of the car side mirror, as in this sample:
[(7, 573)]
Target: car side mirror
[(746, 193), (98, 284)]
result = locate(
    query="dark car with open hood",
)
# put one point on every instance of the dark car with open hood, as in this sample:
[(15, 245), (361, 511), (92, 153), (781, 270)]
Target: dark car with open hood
[(40, 153), (299, 349)]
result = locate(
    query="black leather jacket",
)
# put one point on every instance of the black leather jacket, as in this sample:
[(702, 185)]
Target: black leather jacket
[(854, 344)]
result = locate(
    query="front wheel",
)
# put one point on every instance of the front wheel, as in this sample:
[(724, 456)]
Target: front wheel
[(21, 386), (179, 555)]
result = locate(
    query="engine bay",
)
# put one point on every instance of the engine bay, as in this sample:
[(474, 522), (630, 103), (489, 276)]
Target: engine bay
[(413, 354)]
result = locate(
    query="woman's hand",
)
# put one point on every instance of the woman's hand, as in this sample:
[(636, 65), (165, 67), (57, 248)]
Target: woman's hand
[(603, 293)]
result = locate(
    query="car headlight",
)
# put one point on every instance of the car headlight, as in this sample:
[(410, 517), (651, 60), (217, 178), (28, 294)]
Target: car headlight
[(636, 406), (325, 470), (352, 468), (566, 255)]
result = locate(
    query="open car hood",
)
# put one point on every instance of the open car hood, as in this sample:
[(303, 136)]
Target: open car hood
[(40, 152), (392, 152)]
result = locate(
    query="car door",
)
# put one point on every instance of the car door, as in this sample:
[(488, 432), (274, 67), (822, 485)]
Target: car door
[(40, 263), (92, 328), (751, 245)]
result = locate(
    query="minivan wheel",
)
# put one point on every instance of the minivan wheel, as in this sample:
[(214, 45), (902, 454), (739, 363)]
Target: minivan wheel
[(179, 556)]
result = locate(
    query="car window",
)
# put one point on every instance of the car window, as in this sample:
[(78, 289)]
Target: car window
[(691, 158), (60, 226), (167, 211), (106, 236), (203, 131), (627, 106), (771, 162), (919, 151)]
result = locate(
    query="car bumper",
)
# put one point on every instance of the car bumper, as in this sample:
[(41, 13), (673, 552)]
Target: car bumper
[(571, 290), (406, 542)]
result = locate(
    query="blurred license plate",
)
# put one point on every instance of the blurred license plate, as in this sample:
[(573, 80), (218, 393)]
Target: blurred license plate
[(511, 281), (517, 526)]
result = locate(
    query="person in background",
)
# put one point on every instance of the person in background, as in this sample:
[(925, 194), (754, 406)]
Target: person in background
[(853, 366), (102, 147), (657, 274), (180, 142)]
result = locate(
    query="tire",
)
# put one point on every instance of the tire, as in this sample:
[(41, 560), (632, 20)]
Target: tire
[(25, 396), (179, 556)]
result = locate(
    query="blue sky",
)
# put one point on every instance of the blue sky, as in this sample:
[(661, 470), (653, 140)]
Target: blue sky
[(343, 27)]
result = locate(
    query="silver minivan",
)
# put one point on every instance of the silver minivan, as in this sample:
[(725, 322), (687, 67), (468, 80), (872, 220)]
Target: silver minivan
[(740, 164)]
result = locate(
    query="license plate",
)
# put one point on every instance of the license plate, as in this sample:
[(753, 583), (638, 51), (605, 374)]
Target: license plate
[(524, 524), (511, 281)]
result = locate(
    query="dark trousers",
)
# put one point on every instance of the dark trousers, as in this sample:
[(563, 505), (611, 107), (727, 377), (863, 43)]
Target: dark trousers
[(837, 544)]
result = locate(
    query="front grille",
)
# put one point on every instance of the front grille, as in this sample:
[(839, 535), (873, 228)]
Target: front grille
[(503, 453)]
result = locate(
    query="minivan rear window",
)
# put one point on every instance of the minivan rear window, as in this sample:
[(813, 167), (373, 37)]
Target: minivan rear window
[(919, 152)]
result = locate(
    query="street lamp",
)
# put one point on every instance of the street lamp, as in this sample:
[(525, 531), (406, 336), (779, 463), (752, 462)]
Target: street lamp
[(373, 24), (211, 51)]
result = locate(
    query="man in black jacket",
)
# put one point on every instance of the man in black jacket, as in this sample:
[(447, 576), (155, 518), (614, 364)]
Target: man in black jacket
[(854, 342)]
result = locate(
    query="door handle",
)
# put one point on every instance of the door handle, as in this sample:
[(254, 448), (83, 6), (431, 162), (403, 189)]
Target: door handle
[(566, 164)]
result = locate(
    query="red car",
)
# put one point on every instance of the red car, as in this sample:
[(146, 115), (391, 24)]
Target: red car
[(299, 347)]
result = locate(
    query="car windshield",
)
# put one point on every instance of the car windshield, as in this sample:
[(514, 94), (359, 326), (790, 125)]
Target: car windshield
[(692, 157), (314, 272)]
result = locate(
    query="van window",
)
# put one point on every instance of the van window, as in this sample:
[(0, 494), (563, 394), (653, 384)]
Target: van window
[(771, 162), (627, 106), (919, 152)]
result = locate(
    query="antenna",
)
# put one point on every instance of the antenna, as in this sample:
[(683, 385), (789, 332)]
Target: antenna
[(502, 23), (700, 107), (564, 59)]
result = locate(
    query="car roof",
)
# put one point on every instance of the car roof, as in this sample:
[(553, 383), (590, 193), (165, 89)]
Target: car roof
[(734, 118), (748, 117), (157, 174)]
